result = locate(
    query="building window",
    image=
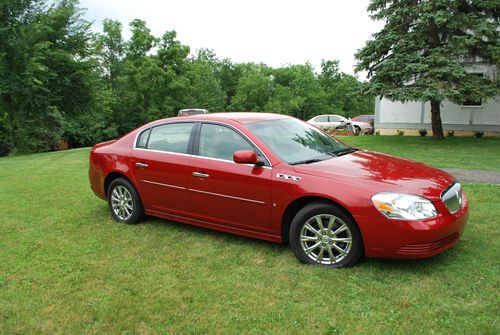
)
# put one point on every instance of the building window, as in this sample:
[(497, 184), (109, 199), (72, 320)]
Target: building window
[(473, 103)]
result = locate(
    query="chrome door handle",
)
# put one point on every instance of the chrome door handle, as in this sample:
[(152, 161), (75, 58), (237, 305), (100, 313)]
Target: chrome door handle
[(141, 165), (200, 175)]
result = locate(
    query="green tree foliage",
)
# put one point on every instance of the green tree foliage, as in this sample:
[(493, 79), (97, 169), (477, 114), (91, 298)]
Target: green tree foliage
[(297, 92), (61, 82), (205, 90), (424, 50), (253, 90), (49, 81), (344, 92)]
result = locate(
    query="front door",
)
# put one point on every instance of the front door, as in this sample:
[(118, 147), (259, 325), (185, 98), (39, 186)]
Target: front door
[(224, 192)]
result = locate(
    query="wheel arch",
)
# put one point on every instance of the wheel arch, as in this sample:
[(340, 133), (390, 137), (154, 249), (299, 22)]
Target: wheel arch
[(299, 203), (112, 176)]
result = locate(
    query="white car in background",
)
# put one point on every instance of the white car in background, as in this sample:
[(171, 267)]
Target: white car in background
[(332, 121)]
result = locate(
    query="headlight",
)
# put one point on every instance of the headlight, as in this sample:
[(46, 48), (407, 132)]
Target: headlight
[(403, 206)]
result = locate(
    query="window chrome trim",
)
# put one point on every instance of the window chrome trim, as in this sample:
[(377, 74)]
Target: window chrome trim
[(269, 166), (228, 196), (164, 152)]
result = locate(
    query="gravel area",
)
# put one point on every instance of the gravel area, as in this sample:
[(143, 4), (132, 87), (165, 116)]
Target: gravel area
[(475, 176)]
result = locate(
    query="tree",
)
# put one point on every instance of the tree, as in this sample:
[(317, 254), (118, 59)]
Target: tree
[(253, 91), (425, 47), (111, 48), (49, 82), (344, 93), (299, 91), (204, 90)]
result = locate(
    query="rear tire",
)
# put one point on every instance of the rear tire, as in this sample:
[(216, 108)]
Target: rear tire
[(124, 202), (324, 234)]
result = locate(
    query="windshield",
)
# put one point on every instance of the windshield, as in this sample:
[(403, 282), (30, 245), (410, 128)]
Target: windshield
[(297, 142)]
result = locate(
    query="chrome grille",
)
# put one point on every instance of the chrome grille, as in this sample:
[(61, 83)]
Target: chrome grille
[(452, 198)]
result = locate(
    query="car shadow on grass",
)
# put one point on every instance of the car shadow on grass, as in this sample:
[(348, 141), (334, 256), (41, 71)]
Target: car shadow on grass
[(432, 265), (209, 233)]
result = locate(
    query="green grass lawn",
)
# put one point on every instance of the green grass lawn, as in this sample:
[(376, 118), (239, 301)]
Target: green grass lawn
[(66, 267), (456, 152)]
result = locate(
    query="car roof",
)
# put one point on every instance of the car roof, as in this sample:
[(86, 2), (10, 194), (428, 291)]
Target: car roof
[(329, 115)]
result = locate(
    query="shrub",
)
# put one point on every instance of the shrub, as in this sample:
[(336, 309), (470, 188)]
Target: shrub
[(377, 133), (423, 132), (400, 132), (479, 134), (451, 133), (4, 148)]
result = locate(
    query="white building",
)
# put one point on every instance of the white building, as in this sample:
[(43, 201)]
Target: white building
[(463, 119)]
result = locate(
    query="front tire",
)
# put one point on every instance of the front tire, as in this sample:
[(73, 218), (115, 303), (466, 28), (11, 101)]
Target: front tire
[(322, 233), (124, 202)]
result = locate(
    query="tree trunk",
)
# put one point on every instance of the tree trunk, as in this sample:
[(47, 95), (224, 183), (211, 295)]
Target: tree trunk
[(10, 119), (437, 126)]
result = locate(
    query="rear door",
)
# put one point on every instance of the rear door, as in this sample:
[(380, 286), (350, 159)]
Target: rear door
[(161, 167), (224, 192)]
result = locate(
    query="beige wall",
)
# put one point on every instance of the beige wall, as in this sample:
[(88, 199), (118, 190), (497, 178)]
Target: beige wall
[(416, 115)]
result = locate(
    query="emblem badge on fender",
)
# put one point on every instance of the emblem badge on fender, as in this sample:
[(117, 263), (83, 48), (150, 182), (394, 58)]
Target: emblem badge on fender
[(288, 177)]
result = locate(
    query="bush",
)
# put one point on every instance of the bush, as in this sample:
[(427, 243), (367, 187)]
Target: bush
[(4, 148), (479, 134), (400, 132), (423, 132), (451, 133), (377, 133)]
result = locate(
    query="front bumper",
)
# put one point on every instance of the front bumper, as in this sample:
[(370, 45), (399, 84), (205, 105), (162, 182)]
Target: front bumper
[(386, 238)]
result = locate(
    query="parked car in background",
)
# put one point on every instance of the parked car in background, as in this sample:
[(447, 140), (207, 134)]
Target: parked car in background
[(277, 178), (367, 119), (191, 111), (339, 122)]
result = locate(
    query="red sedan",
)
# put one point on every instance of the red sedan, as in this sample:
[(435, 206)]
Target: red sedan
[(276, 178)]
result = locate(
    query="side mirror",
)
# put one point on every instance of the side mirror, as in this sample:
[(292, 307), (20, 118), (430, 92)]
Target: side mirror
[(245, 157)]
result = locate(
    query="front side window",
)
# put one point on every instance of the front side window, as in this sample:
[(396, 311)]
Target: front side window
[(221, 142), (172, 137), (335, 118), (295, 142)]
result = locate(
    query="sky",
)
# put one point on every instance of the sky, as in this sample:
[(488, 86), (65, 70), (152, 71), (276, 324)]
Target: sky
[(274, 32)]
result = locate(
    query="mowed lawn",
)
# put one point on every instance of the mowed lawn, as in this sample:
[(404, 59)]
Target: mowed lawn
[(455, 152), (67, 268)]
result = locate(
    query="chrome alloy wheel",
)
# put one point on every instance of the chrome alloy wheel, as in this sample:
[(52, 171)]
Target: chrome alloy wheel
[(325, 239), (122, 203)]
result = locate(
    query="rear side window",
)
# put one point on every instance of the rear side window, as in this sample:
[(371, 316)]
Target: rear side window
[(321, 119), (170, 137), (142, 141)]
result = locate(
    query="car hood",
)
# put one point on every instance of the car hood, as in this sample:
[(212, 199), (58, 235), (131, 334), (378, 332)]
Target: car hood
[(378, 172)]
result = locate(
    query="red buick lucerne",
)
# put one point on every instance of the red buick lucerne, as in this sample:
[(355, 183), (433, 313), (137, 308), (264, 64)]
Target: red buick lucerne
[(276, 178)]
